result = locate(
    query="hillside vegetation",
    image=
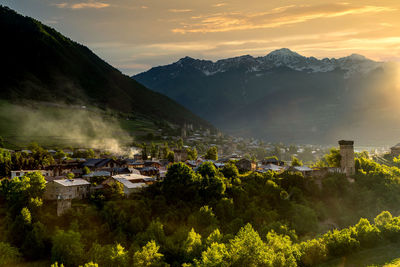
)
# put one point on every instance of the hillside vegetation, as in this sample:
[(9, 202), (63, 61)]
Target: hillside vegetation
[(208, 218), (39, 63)]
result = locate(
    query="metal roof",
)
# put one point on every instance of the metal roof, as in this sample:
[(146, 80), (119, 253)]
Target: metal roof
[(129, 184), (72, 182)]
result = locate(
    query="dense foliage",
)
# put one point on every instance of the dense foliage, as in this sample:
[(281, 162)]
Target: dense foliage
[(209, 217)]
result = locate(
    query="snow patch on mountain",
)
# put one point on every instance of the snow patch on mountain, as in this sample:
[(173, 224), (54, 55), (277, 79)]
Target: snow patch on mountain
[(282, 58)]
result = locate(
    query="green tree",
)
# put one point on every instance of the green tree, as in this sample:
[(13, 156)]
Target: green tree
[(171, 156), (333, 158), (180, 182), (9, 255), (67, 248), (60, 154), (247, 249), (192, 245), (230, 170), (86, 170), (180, 143), (36, 244), (26, 215), (192, 153), (148, 255), (212, 184), (165, 150), (212, 153), (383, 218), (215, 255), (296, 162), (20, 191), (313, 252)]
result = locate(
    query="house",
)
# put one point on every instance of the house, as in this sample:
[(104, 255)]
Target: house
[(97, 174), (306, 171), (149, 171), (133, 164), (136, 178), (20, 173), (68, 166), (154, 164), (191, 163), (101, 164), (180, 155), (129, 186), (320, 172), (272, 161), (245, 165), (67, 189), (219, 165), (271, 167)]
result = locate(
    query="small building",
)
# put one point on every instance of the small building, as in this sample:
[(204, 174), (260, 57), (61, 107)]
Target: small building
[(133, 164), (129, 186), (272, 161), (271, 167), (154, 164), (180, 155), (20, 173), (135, 178), (149, 171), (245, 165), (101, 164), (321, 172), (306, 171), (97, 174), (67, 189)]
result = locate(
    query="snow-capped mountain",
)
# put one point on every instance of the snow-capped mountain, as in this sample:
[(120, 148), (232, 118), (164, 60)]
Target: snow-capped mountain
[(280, 96), (282, 58)]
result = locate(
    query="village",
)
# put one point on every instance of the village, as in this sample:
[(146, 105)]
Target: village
[(77, 178)]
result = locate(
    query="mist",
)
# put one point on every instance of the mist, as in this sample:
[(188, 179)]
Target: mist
[(59, 125)]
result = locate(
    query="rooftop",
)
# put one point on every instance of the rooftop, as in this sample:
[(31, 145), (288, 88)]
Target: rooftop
[(72, 182), (129, 184)]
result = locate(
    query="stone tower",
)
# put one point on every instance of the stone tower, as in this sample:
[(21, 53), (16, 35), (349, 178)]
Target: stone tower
[(347, 157)]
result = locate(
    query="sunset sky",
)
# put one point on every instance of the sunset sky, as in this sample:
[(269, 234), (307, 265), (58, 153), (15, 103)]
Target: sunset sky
[(134, 35)]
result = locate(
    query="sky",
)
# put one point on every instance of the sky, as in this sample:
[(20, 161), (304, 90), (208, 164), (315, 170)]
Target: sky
[(135, 35)]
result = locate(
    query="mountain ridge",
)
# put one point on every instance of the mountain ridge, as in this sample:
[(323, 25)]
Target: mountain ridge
[(40, 64), (276, 58), (283, 96)]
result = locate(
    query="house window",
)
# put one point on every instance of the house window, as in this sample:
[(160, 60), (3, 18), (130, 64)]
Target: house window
[(17, 174)]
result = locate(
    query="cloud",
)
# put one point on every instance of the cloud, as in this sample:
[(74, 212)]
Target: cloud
[(277, 17), (219, 4), (179, 10), (81, 5)]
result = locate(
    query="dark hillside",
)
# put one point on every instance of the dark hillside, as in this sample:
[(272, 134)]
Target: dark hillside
[(38, 63)]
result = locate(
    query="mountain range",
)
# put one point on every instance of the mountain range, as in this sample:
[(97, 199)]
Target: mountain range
[(287, 97), (40, 64)]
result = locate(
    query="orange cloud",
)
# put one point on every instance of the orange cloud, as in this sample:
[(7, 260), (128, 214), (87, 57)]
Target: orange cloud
[(179, 10), (277, 17), (81, 5)]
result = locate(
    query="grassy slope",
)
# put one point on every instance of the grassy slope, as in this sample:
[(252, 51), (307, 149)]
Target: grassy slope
[(370, 257)]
